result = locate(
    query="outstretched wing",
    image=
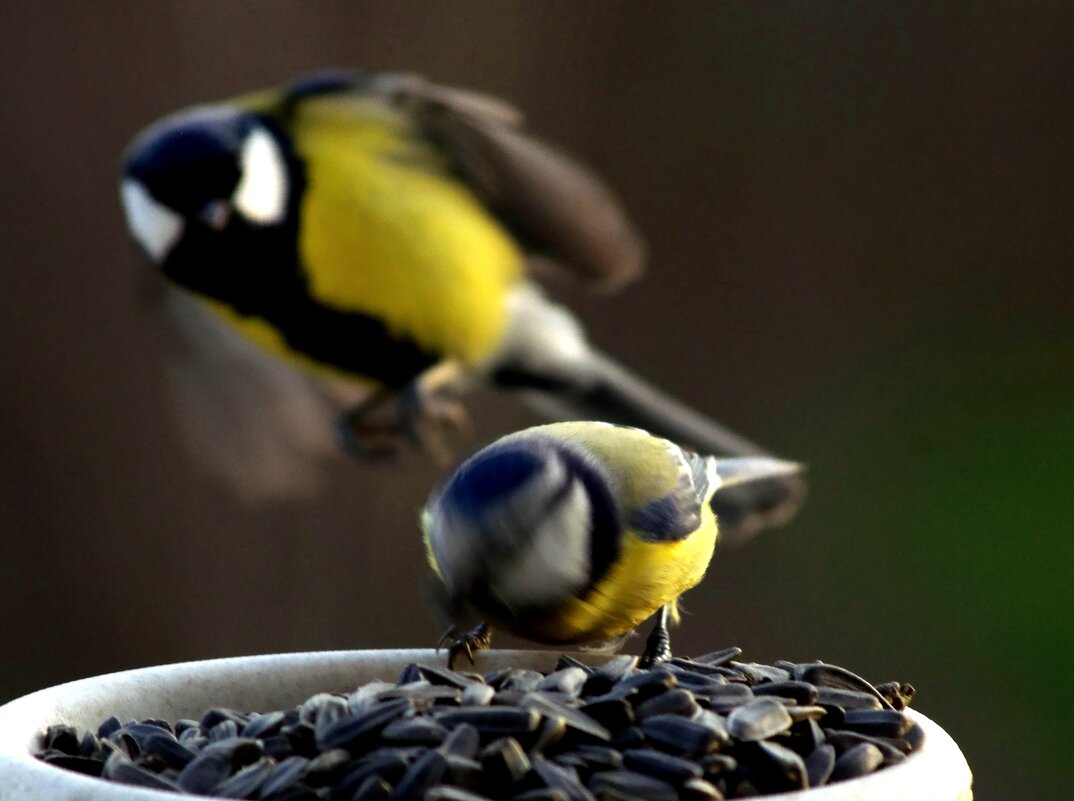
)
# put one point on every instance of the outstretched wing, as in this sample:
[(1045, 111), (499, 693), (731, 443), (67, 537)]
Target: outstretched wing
[(557, 209), (249, 419)]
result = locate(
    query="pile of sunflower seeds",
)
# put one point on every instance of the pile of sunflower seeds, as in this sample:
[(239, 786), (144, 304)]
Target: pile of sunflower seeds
[(687, 730)]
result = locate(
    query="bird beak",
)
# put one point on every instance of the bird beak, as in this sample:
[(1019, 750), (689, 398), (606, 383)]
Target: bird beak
[(753, 468), (216, 215)]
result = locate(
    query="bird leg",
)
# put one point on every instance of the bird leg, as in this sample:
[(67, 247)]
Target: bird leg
[(362, 435), (658, 646), (431, 412), (459, 642)]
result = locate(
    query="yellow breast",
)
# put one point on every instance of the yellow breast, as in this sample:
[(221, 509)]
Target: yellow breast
[(646, 576), (388, 231)]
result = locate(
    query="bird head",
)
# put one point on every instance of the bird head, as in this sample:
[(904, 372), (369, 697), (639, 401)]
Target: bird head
[(201, 170), (522, 525)]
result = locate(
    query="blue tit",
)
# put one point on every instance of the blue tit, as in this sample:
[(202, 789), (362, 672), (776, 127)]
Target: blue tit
[(576, 532), (370, 242)]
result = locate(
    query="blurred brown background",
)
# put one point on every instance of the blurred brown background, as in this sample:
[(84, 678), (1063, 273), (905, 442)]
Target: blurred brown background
[(861, 232)]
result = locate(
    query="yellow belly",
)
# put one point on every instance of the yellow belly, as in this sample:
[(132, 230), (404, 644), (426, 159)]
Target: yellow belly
[(387, 231), (646, 576)]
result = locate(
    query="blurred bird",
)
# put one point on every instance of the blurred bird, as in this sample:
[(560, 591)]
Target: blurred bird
[(577, 532), (380, 233)]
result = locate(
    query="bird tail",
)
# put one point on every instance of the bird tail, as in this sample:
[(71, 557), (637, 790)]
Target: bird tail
[(607, 391)]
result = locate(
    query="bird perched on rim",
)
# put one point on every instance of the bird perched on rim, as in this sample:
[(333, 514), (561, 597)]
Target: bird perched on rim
[(380, 233), (577, 532)]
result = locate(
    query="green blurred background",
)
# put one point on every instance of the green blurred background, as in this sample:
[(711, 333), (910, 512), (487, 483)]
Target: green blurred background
[(860, 222)]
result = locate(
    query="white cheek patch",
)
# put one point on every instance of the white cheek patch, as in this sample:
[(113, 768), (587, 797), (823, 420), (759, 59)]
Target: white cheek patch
[(261, 196), (156, 227), (555, 564)]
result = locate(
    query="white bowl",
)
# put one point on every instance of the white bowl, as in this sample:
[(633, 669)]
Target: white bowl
[(937, 772)]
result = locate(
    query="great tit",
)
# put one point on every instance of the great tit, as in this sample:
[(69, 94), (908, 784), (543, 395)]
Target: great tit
[(576, 532), (380, 233)]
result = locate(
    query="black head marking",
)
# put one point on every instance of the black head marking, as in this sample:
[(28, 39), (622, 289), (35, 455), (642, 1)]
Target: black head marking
[(189, 160)]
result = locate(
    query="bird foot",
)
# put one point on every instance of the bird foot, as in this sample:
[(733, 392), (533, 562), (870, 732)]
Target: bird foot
[(479, 638), (365, 439), (438, 424), (657, 647)]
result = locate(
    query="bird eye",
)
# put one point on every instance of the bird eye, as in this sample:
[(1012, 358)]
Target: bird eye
[(216, 214)]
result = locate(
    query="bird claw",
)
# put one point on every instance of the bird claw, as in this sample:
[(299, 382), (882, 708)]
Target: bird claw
[(459, 642), (367, 441), (436, 423), (657, 646)]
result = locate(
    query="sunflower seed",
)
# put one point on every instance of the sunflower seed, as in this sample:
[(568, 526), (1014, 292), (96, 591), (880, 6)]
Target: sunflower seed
[(551, 731), (463, 772), (414, 731), (493, 719), (612, 713), (354, 732), (573, 718), (662, 766), (819, 765), (105, 729), (477, 695), (644, 684), (618, 667), (714, 764), (425, 772), (846, 699), (801, 692), (780, 767), (630, 737), (758, 720), (568, 680), (898, 693), (719, 657), (246, 781), (692, 666), (673, 702), (80, 764), (373, 788), (542, 794), (915, 736), (699, 790), (504, 761), (173, 753), (845, 740), (211, 717), (385, 765), (632, 784), (283, 776), (757, 674), (62, 738), (833, 676), (203, 773), (858, 761), (881, 723), (263, 725), (463, 741), (445, 792), (120, 769), (723, 697), (599, 757), (564, 779), (680, 735)]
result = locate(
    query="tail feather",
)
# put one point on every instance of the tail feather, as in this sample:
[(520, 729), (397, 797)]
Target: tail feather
[(610, 392)]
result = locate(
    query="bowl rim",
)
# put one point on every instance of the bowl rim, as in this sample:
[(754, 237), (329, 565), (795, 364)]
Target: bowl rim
[(936, 772)]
